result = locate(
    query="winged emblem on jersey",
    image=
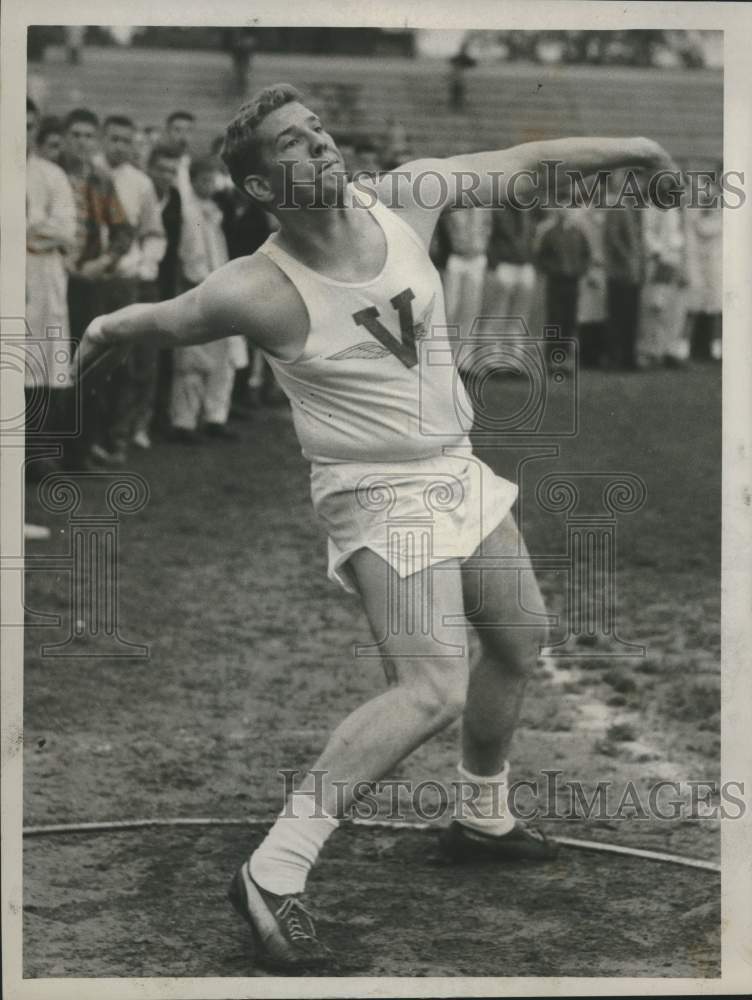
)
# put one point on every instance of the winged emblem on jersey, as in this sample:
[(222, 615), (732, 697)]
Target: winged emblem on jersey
[(411, 331), (367, 349)]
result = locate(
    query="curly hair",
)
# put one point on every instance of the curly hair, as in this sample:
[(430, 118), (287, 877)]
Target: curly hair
[(241, 152)]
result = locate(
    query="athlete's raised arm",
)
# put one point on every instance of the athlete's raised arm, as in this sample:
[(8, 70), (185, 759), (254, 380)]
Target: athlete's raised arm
[(532, 163), (517, 175)]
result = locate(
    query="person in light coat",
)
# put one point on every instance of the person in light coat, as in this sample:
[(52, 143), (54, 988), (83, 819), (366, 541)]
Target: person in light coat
[(50, 235), (204, 374), (664, 298), (468, 232), (705, 275)]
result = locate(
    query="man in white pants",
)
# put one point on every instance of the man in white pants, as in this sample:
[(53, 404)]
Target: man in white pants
[(510, 259), (345, 301), (204, 373), (512, 280), (50, 236), (468, 231), (664, 297)]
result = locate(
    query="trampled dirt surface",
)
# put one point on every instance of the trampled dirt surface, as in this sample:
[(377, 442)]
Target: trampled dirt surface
[(222, 574), (154, 905)]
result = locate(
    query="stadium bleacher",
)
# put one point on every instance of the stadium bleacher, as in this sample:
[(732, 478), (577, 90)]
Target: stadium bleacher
[(506, 103)]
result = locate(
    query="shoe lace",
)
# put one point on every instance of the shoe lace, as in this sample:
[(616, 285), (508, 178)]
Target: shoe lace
[(297, 919)]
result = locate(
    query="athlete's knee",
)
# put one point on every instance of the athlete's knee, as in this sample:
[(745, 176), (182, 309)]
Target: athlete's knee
[(439, 692), (515, 649)]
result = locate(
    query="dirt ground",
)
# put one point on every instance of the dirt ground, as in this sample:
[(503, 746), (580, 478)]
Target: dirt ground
[(164, 913), (222, 574)]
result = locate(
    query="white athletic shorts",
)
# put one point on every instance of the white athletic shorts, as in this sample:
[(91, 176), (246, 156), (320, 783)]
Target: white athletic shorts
[(413, 514)]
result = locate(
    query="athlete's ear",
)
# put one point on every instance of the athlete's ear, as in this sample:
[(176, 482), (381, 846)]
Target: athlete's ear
[(257, 186)]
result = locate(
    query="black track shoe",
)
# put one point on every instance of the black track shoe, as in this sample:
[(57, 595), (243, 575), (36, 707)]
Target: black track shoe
[(523, 843), (284, 935)]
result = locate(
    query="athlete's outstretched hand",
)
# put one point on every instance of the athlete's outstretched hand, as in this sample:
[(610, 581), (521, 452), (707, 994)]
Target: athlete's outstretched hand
[(660, 158), (94, 352)]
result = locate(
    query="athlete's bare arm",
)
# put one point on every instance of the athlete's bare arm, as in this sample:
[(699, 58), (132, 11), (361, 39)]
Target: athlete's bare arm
[(423, 189), (249, 296)]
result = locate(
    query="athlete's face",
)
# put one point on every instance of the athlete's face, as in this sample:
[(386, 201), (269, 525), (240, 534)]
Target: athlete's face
[(301, 160)]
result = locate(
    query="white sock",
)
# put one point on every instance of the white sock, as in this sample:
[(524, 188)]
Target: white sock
[(288, 852), (489, 812)]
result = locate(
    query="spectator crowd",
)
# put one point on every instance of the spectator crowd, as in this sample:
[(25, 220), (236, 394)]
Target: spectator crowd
[(118, 213), (633, 285)]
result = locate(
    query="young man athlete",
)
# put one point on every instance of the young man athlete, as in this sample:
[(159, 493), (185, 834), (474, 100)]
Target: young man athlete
[(343, 300)]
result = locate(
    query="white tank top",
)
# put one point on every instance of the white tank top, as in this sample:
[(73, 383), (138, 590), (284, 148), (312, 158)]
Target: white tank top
[(366, 387)]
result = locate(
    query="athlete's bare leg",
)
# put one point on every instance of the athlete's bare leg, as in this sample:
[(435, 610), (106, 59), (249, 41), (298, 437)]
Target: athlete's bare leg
[(428, 668), (508, 652), (428, 688), (427, 692)]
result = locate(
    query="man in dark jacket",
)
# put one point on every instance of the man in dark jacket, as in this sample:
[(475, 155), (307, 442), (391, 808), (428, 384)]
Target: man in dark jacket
[(563, 256), (510, 263), (625, 270), (246, 226), (163, 169), (103, 236)]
